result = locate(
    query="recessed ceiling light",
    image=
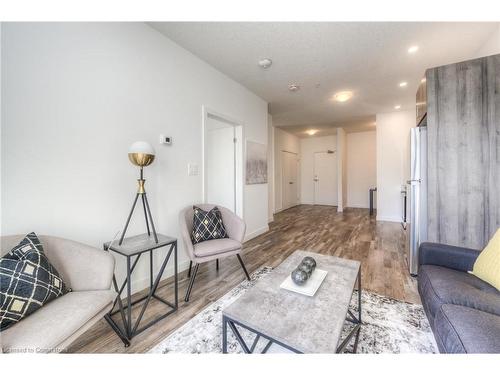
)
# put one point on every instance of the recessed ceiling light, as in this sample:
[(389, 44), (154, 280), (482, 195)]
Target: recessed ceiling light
[(403, 84), (312, 131), (265, 63), (342, 96), (413, 49), (293, 87), (397, 106)]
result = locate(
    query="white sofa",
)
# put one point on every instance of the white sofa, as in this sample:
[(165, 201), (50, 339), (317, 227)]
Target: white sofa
[(88, 272)]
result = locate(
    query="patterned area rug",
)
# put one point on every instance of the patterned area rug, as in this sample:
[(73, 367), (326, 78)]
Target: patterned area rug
[(389, 326)]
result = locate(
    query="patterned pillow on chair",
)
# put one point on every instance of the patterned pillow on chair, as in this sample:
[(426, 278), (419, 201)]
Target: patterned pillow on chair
[(27, 281), (207, 225)]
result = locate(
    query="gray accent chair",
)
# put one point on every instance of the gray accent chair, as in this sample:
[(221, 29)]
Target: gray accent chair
[(463, 310), (213, 249), (52, 328)]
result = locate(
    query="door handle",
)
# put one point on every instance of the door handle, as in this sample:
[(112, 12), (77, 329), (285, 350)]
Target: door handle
[(291, 182)]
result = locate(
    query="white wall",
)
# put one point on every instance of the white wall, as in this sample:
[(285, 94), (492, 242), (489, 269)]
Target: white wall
[(283, 141), (75, 96), (393, 158), (361, 167), (342, 169), (308, 146), (491, 45), (1, 127)]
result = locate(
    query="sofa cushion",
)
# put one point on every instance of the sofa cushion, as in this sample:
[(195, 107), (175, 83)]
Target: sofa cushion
[(27, 281), (49, 326), (439, 285), (487, 265), (213, 247), (460, 329)]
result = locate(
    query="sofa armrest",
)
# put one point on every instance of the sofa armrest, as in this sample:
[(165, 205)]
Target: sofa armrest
[(82, 267), (454, 257)]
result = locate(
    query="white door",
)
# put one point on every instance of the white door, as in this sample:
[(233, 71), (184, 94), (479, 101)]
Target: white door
[(220, 164), (289, 184), (325, 178)]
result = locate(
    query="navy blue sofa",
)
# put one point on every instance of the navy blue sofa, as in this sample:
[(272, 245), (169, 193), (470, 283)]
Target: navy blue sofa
[(463, 311)]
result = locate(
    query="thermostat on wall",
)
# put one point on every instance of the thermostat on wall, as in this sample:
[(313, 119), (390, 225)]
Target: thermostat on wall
[(165, 140)]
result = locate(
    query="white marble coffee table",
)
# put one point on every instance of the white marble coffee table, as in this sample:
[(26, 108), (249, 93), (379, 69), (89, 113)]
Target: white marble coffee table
[(297, 322)]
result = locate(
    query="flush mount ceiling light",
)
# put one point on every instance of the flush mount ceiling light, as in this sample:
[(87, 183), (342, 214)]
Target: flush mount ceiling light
[(265, 63), (413, 49), (312, 131), (397, 106), (342, 96), (293, 87), (403, 84)]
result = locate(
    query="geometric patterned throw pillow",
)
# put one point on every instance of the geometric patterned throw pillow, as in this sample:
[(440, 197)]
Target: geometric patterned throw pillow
[(207, 225), (27, 281)]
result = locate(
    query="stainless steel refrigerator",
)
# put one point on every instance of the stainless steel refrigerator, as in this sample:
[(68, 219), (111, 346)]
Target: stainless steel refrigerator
[(417, 188)]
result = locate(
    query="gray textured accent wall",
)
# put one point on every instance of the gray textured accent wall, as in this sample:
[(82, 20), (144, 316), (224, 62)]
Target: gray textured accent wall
[(463, 119)]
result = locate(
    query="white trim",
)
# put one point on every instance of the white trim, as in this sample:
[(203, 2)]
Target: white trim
[(256, 233), (270, 219), (394, 219), (358, 206)]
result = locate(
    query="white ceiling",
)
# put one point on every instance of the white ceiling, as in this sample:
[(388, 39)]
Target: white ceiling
[(368, 58)]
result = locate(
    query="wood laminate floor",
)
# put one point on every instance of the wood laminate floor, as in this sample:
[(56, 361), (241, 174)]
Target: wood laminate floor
[(353, 234)]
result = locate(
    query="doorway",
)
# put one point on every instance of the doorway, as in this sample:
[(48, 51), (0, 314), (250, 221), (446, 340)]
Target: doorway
[(290, 194), (325, 178), (222, 162)]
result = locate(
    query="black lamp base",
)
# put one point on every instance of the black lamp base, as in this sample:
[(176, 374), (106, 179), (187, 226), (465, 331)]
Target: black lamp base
[(147, 212)]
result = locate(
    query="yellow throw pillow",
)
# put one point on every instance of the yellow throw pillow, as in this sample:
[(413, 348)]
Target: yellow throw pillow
[(487, 265)]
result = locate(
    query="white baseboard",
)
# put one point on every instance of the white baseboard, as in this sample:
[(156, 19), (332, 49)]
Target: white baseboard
[(256, 233), (270, 219), (395, 219), (357, 206)]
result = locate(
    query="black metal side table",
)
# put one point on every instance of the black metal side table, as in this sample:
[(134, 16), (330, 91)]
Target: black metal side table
[(134, 247)]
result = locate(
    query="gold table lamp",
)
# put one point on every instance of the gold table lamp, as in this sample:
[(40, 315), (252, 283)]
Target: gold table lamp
[(141, 154)]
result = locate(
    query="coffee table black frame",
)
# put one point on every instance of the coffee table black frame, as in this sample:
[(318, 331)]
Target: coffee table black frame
[(131, 329), (232, 323)]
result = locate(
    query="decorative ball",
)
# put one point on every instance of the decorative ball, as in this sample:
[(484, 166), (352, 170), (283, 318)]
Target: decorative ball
[(309, 261), (299, 277), (306, 268)]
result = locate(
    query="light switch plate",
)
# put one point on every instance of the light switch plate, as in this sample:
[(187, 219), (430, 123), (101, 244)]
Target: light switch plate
[(192, 169)]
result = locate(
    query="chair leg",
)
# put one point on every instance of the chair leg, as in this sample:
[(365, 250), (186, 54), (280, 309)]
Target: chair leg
[(217, 264), (190, 265), (243, 266), (191, 282)]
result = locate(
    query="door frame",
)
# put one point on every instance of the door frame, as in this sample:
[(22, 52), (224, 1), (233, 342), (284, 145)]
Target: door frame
[(207, 113), (297, 202), (334, 152)]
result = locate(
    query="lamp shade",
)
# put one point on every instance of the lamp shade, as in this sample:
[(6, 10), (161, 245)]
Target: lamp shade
[(141, 153)]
